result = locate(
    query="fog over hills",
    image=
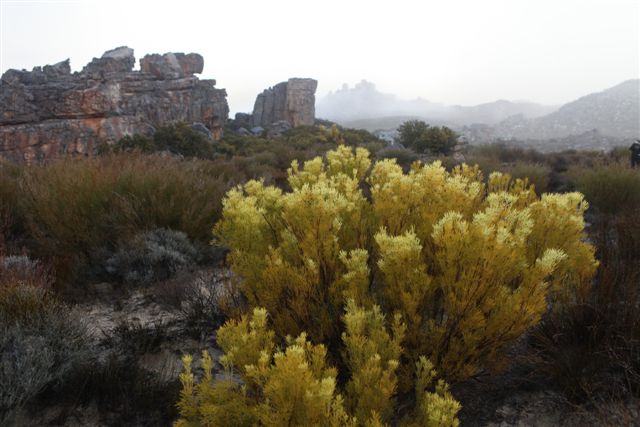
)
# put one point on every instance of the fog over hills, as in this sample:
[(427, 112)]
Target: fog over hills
[(364, 102), (613, 112)]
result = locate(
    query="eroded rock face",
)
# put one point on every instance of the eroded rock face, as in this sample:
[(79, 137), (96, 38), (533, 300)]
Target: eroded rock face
[(293, 101), (172, 65), (48, 112)]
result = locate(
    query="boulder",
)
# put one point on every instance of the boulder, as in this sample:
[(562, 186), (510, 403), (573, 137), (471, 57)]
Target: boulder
[(242, 120), (118, 60), (278, 128), (62, 68), (172, 65), (292, 101), (200, 128)]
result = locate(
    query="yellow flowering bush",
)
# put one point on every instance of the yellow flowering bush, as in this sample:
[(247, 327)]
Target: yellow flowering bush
[(296, 387), (469, 265)]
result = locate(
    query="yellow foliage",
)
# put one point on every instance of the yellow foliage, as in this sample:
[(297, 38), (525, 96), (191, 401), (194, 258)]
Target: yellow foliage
[(295, 387), (372, 356), (433, 409), (468, 265), (245, 341)]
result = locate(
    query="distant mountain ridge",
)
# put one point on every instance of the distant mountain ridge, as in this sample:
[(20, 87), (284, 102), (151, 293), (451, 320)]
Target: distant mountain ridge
[(613, 112), (364, 101)]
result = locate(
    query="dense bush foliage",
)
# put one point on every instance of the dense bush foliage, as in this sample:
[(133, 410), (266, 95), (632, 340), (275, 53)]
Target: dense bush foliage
[(296, 387), (422, 138), (75, 208), (609, 188), (469, 266), (179, 139), (152, 256)]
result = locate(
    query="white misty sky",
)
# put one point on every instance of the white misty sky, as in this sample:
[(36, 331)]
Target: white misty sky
[(454, 51)]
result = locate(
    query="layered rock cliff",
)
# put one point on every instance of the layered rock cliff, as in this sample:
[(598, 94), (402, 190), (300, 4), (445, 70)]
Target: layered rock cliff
[(49, 111), (292, 101)]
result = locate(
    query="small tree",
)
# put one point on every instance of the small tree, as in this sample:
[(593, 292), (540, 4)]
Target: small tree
[(422, 138)]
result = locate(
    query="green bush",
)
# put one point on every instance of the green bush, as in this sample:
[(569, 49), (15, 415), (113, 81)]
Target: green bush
[(422, 138), (503, 152), (536, 174), (609, 188), (180, 139)]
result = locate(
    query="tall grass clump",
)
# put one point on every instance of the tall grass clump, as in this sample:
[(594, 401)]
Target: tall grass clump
[(610, 189), (536, 174), (76, 206), (11, 216), (590, 349)]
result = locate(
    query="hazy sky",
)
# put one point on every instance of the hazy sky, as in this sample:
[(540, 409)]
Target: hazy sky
[(454, 51)]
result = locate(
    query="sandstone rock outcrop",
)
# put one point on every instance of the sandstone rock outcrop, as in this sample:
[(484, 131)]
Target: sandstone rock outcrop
[(293, 101), (49, 111)]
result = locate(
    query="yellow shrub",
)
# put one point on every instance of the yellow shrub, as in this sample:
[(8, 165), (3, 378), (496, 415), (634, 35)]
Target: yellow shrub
[(372, 356), (468, 265), (295, 387)]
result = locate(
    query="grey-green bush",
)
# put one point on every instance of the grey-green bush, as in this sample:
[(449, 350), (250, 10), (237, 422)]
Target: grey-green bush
[(39, 348), (152, 256)]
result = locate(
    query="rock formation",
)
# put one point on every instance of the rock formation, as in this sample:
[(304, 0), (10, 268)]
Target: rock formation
[(293, 101), (49, 111)]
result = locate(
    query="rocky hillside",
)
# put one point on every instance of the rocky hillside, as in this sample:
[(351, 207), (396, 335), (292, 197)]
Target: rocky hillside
[(613, 112), (50, 111), (494, 112)]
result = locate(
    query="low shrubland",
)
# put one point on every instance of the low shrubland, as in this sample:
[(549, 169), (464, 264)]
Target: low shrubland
[(610, 189), (79, 213), (458, 266), (386, 272), (77, 210)]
